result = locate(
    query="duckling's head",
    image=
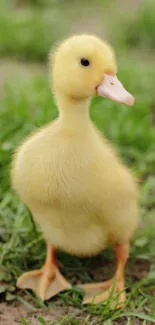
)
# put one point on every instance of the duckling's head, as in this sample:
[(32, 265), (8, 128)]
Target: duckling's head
[(83, 66)]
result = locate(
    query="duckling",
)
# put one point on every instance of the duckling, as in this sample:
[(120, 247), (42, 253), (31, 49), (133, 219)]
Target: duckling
[(70, 177)]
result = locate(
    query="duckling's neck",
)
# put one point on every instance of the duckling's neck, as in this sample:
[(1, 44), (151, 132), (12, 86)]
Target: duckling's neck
[(73, 112)]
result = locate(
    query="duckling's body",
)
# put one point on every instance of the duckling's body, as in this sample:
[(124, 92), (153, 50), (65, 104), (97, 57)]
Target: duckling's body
[(77, 189), (70, 177)]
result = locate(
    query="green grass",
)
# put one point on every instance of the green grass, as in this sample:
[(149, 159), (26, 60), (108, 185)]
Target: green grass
[(28, 104), (139, 31), (25, 34), (28, 32)]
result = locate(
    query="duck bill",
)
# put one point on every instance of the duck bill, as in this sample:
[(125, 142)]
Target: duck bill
[(112, 88)]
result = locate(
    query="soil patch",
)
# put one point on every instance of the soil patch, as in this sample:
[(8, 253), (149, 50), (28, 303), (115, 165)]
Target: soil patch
[(12, 313)]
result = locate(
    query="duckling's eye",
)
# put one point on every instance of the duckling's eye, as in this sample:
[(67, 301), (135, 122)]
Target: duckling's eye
[(85, 62)]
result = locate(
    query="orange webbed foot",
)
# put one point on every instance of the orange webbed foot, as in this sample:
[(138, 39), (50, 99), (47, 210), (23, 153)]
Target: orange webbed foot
[(46, 282), (98, 292)]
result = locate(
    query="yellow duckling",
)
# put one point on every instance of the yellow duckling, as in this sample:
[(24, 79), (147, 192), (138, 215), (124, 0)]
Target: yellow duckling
[(69, 176)]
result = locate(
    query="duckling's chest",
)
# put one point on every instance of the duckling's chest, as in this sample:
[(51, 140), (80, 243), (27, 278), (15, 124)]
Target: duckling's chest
[(64, 170)]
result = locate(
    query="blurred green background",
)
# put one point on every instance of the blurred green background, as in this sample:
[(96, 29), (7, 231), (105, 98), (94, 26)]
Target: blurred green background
[(28, 30)]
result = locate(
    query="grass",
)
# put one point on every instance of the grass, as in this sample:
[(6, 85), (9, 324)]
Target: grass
[(27, 104), (27, 31), (139, 31)]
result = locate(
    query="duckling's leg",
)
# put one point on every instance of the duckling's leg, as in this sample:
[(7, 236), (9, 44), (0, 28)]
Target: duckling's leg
[(46, 282), (98, 292)]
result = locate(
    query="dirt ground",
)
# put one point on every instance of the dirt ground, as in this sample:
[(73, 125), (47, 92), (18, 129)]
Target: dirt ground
[(11, 313)]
